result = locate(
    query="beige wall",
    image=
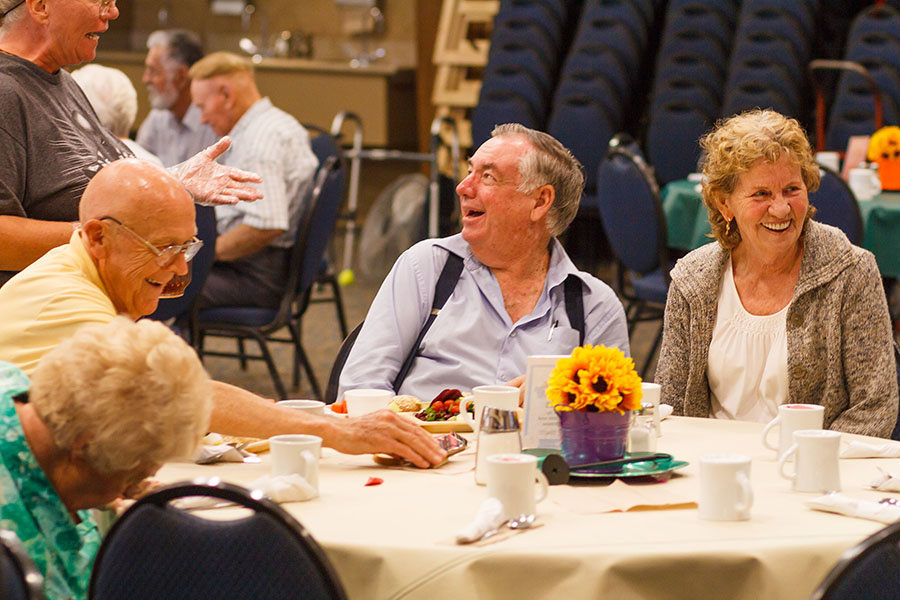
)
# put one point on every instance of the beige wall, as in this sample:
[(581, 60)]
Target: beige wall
[(323, 19)]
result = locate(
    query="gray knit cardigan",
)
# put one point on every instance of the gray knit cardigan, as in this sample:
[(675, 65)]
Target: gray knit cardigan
[(840, 347)]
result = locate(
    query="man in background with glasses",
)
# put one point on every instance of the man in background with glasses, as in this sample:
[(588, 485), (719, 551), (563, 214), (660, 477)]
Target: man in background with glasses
[(136, 233), (51, 141)]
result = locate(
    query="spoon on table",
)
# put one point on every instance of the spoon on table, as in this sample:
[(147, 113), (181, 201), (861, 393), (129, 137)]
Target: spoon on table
[(523, 521)]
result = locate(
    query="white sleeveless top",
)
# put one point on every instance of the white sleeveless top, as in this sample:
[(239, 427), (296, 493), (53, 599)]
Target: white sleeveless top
[(747, 365)]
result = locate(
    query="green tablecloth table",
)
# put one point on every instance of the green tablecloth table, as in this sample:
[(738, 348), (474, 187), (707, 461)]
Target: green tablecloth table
[(688, 223)]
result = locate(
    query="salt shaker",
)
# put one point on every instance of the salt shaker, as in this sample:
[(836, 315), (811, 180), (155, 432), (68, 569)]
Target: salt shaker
[(498, 434), (642, 433)]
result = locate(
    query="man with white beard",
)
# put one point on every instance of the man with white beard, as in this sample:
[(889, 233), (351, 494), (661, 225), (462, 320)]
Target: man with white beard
[(172, 131)]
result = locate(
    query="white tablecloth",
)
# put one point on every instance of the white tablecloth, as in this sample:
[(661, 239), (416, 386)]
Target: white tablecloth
[(395, 540)]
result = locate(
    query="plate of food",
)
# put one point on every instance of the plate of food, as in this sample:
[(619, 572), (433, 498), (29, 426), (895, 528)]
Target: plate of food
[(441, 415)]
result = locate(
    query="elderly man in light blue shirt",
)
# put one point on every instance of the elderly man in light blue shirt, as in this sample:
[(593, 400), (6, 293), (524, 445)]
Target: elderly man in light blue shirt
[(522, 189)]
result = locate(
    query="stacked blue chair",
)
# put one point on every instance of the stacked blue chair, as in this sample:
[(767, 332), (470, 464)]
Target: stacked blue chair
[(837, 206), (527, 43), (599, 81), (689, 84), (872, 42), (773, 44)]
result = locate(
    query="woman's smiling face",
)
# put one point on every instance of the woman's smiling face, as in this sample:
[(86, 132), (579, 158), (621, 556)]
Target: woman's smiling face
[(769, 206)]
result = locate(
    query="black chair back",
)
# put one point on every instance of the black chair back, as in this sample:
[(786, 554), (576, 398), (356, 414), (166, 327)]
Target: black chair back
[(868, 571), (156, 550), (334, 379), (836, 205), (19, 576)]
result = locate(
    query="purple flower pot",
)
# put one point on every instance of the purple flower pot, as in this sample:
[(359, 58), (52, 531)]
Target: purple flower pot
[(594, 436)]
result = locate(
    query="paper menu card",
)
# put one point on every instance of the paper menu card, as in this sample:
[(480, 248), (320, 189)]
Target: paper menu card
[(541, 427)]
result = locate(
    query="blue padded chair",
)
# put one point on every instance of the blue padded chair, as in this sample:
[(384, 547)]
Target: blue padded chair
[(885, 75), (699, 17), (519, 82), (201, 264), (19, 576), (672, 140), (804, 12), (501, 106), (522, 54), (755, 95), (842, 126), (776, 21), (868, 571), (157, 550), (634, 222), (610, 33), (875, 46), (553, 13), (876, 19), (836, 205), (766, 45), (597, 58), (324, 145), (692, 41), (596, 86), (727, 8), (304, 266), (581, 125), (685, 92), (627, 13), (858, 97), (686, 65), (767, 72), (510, 28)]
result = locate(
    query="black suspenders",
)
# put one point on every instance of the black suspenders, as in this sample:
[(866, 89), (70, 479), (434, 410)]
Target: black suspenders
[(447, 282)]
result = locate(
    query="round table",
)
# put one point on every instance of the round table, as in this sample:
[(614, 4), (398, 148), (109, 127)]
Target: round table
[(395, 540)]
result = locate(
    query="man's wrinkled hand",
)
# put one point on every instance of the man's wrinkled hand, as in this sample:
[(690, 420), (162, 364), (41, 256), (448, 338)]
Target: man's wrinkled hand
[(212, 183)]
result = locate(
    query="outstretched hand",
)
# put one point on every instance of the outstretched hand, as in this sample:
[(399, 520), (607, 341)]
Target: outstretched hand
[(386, 432), (212, 183)]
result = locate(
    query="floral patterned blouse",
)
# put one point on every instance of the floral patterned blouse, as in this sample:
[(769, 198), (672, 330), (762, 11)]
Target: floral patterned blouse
[(62, 549)]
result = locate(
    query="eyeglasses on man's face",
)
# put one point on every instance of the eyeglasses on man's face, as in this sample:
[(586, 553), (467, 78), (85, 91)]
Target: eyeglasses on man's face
[(104, 5), (167, 255)]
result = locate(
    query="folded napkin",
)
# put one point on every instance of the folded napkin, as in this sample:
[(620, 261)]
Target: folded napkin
[(665, 411), (862, 450), (281, 488), (488, 518), (621, 497), (207, 455), (863, 509)]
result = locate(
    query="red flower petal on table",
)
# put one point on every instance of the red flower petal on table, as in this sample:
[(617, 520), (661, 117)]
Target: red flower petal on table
[(374, 481)]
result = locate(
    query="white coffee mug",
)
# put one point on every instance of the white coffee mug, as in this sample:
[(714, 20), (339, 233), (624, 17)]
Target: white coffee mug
[(864, 183), (364, 401), (313, 407), (652, 392), (500, 396), (511, 479), (296, 453), (792, 417), (817, 459), (832, 160), (725, 490)]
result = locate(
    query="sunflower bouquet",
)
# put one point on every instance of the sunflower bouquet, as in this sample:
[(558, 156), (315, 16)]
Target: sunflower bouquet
[(594, 379), (884, 149)]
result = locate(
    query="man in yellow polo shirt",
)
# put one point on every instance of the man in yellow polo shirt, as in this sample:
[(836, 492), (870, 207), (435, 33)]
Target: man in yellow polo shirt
[(136, 231)]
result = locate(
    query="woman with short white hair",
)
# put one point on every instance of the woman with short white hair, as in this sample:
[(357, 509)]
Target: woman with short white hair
[(104, 410)]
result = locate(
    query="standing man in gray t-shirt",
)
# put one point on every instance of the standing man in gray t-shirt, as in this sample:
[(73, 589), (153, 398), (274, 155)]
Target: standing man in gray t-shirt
[(172, 131)]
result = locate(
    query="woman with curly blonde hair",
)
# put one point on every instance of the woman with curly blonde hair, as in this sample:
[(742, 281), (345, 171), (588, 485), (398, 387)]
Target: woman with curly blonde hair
[(782, 308)]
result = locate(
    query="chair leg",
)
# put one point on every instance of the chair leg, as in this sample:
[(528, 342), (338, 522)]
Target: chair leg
[(273, 371), (242, 353), (300, 354), (338, 305)]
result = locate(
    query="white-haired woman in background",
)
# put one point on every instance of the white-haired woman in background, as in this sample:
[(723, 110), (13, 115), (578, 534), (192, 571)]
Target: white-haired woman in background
[(114, 99), (104, 410)]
